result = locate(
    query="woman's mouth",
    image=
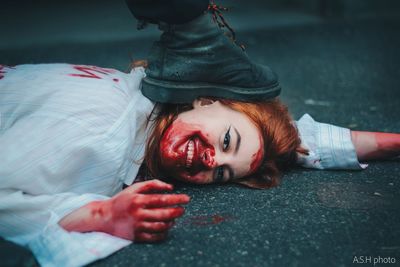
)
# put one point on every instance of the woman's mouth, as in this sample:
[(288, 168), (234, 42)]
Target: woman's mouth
[(182, 149), (189, 154), (196, 153)]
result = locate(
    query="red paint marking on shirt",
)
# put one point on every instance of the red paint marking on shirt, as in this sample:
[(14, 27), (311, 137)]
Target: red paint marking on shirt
[(89, 71)]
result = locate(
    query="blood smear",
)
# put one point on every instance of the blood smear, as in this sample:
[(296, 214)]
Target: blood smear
[(207, 220)]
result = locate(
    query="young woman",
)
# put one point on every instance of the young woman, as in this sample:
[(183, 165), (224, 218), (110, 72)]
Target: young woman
[(73, 135)]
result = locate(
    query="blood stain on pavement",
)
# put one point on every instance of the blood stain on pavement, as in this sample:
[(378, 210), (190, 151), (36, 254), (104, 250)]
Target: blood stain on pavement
[(207, 220)]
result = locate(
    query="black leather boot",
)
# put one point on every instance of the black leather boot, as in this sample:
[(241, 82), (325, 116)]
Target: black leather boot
[(196, 59)]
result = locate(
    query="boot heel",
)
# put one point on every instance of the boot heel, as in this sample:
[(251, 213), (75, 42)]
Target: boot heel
[(168, 92), (179, 92)]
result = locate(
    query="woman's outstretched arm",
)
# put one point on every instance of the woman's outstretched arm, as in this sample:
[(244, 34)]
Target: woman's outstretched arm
[(375, 145), (334, 147)]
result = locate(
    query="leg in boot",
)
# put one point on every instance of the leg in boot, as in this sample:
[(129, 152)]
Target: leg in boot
[(167, 11), (196, 59)]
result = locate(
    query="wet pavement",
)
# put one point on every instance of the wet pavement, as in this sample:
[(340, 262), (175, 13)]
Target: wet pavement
[(340, 71)]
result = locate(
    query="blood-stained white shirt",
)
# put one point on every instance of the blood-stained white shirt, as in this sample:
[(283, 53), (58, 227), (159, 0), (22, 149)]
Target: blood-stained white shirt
[(72, 134), (69, 135)]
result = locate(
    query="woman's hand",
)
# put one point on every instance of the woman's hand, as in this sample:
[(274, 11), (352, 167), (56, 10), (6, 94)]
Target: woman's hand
[(376, 145), (132, 214)]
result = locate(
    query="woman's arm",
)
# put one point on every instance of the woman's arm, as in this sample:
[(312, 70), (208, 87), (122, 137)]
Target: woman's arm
[(333, 147), (131, 214), (375, 145)]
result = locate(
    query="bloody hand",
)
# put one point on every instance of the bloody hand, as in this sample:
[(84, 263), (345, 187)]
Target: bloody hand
[(135, 213)]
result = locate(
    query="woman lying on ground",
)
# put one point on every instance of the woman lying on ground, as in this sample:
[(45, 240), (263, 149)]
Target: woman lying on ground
[(72, 136)]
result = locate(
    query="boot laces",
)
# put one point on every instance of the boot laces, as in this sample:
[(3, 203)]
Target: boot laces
[(218, 18)]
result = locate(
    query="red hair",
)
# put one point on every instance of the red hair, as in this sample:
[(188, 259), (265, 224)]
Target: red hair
[(280, 136)]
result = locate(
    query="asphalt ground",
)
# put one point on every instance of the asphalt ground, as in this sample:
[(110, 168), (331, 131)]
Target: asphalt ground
[(340, 71)]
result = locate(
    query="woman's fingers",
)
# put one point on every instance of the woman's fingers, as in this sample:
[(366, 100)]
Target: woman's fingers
[(150, 186), (147, 237), (161, 214), (154, 227), (164, 200)]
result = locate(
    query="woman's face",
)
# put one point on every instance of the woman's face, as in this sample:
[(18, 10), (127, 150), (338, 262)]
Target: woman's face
[(211, 143)]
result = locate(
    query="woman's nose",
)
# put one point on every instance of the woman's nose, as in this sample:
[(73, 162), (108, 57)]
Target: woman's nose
[(208, 159)]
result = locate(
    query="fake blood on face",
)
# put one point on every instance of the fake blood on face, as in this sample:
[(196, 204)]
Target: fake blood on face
[(174, 149)]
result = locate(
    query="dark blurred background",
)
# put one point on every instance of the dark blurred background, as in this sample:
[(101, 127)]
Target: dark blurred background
[(337, 60), (307, 42), (45, 30)]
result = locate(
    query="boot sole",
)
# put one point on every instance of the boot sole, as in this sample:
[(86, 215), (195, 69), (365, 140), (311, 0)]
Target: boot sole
[(183, 92)]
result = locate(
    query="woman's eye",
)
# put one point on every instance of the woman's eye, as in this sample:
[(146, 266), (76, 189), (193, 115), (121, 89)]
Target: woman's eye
[(220, 174), (227, 139)]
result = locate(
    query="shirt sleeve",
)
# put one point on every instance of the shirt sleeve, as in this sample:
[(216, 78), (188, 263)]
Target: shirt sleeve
[(329, 146), (33, 221)]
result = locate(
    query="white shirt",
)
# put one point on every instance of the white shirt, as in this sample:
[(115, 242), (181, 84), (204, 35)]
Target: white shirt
[(69, 135), (72, 134)]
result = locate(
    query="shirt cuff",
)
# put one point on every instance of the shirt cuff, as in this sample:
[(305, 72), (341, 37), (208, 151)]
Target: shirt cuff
[(329, 146), (55, 246)]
